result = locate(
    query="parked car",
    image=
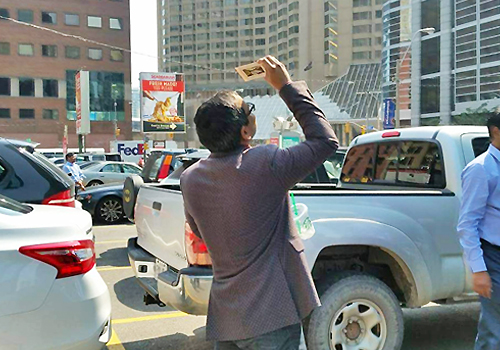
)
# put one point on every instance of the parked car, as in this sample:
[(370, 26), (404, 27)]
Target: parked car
[(105, 203), (108, 172), (96, 157), (385, 238), (29, 177), (51, 295)]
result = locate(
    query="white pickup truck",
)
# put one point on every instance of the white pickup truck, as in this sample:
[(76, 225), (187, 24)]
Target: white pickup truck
[(384, 239)]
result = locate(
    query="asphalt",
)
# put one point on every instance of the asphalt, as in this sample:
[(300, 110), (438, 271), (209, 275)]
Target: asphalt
[(137, 326)]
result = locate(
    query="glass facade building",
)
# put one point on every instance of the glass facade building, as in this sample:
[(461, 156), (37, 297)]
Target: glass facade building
[(449, 71)]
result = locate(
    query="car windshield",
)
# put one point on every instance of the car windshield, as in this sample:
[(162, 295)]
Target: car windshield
[(10, 204)]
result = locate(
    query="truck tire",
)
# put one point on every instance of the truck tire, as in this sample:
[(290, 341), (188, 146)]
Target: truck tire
[(357, 312), (130, 190)]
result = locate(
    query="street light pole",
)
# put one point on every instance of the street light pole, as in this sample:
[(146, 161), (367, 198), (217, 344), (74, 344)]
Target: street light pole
[(399, 62)]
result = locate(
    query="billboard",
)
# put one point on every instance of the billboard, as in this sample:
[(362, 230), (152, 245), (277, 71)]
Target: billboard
[(162, 103), (82, 103)]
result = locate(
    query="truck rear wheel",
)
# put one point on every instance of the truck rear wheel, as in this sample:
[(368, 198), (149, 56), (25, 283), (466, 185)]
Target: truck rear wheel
[(358, 312)]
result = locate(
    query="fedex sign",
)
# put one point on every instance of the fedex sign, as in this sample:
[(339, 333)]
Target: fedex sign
[(131, 151)]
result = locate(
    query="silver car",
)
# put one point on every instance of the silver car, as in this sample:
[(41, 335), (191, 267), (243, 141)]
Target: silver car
[(109, 172)]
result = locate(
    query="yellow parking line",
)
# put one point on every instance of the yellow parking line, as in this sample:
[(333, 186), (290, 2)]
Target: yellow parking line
[(150, 318), (111, 242), (112, 268), (114, 343)]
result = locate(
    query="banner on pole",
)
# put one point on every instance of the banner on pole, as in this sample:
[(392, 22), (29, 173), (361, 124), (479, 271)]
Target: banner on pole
[(82, 103), (162, 103), (389, 113)]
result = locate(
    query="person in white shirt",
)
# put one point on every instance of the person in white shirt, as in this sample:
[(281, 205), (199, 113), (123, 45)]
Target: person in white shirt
[(73, 170)]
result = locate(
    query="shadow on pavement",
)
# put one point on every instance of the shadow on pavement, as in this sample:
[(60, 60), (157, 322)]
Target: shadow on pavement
[(129, 293), (450, 327), (113, 257), (170, 342)]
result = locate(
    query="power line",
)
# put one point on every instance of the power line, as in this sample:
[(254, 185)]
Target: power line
[(113, 47)]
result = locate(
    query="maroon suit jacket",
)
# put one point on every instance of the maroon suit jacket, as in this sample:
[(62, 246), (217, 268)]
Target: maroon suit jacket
[(238, 203)]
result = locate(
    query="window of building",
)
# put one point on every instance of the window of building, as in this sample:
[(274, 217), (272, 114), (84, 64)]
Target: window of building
[(282, 35), (431, 14), (260, 53), (232, 23), (360, 3), (26, 87), (202, 36), (273, 17), (273, 28), (378, 14), (4, 86), (260, 20), (115, 23), (4, 48), (293, 6), (282, 46), (358, 16), (282, 12), (52, 114), (260, 31), (246, 32), (27, 113), (293, 18), (293, 41), (101, 96), (367, 28), (248, 11), (50, 88), (72, 52), (4, 113), (431, 55), (95, 54), (282, 23), (232, 33), (230, 2), (49, 50), (273, 6), (361, 42), (71, 19), (364, 55), (247, 21), (26, 49), (49, 17), (260, 42), (116, 55), (94, 21), (231, 44), (293, 30), (430, 95), (4, 13), (25, 16)]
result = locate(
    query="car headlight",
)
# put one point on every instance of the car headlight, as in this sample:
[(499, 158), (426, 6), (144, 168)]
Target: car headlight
[(85, 197)]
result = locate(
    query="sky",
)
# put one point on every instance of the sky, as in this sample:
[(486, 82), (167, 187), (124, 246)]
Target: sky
[(143, 38)]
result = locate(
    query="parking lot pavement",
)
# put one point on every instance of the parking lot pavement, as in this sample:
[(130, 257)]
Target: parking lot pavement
[(137, 326)]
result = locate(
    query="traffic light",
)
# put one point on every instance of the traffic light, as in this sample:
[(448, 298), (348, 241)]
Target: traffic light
[(117, 131), (347, 128)]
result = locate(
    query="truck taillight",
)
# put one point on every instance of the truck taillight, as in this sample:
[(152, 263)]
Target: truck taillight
[(196, 249), (69, 258), (63, 198)]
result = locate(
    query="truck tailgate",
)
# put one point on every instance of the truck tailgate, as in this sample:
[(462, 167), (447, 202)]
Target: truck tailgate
[(159, 218)]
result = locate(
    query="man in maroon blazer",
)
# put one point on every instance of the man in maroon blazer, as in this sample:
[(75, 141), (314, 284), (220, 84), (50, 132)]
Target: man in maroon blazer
[(237, 201)]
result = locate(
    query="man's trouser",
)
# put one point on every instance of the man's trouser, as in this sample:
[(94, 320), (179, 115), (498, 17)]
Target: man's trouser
[(488, 336), (287, 338)]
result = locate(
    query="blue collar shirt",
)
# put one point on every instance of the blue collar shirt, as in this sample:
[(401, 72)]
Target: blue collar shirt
[(480, 209), (74, 171)]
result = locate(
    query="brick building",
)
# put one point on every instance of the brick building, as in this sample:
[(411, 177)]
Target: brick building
[(37, 69)]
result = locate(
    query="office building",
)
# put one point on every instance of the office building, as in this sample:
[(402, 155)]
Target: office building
[(448, 72), (316, 39), (38, 67)]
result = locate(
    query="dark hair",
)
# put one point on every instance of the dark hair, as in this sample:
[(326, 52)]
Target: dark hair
[(219, 122), (493, 120), (69, 155)]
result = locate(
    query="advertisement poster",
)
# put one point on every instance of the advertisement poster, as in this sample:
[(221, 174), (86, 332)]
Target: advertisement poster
[(162, 103), (389, 113), (82, 103)]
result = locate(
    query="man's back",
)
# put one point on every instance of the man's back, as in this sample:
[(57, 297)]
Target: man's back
[(238, 203)]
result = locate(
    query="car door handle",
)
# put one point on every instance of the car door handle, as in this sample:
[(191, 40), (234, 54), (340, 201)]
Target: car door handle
[(157, 206)]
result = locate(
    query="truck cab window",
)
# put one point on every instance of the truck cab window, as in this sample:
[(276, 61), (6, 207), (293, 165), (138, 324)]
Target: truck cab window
[(480, 145), (358, 165)]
